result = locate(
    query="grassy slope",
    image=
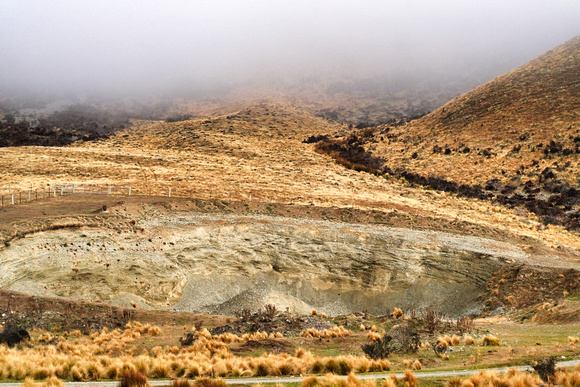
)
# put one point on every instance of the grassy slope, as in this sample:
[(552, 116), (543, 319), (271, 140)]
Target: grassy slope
[(256, 150), (526, 108)]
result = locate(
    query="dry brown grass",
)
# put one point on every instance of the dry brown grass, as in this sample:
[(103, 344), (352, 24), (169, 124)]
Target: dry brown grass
[(489, 340), (256, 151), (532, 105), (373, 336), (333, 332), (515, 378), (112, 354), (397, 313), (331, 380), (468, 340)]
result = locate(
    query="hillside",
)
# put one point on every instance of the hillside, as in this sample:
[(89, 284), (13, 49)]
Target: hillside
[(279, 223), (515, 139), (256, 150)]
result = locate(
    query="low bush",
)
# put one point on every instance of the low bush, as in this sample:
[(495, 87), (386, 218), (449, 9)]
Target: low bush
[(12, 335), (546, 369)]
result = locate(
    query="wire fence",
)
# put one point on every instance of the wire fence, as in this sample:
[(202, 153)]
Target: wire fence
[(20, 196)]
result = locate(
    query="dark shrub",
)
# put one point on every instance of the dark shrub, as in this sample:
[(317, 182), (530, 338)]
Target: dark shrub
[(315, 139), (546, 368), (12, 335), (187, 340), (380, 349), (464, 324)]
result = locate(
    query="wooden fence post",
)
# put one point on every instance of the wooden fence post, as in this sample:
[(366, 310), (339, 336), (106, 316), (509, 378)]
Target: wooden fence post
[(169, 191)]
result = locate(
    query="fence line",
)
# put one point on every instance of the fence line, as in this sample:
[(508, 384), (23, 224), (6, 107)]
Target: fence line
[(23, 196)]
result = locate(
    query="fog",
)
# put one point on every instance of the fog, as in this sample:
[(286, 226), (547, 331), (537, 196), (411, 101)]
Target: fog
[(145, 47)]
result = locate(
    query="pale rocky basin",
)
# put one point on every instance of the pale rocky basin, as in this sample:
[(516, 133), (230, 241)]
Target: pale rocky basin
[(223, 263)]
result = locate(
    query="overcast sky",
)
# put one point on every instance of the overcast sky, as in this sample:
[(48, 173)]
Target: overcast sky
[(125, 45)]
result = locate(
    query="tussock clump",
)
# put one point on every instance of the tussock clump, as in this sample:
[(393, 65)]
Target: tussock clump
[(512, 377), (333, 332), (571, 379), (445, 341), (373, 337), (489, 340), (417, 365), (181, 383), (455, 340), (207, 382), (330, 380), (468, 340), (409, 380), (454, 382), (228, 338), (390, 382), (398, 313), (133, 378)]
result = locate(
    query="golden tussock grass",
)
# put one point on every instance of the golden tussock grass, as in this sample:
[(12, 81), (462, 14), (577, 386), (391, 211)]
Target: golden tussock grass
[(489, 340), (207, 382), (444, 341), (397, 313), (417, 365), (390, 382), (455, 340), (512, 378), (568, 379), (373, 336), (52, 381), (333, 332), (468, 340), (412, 364), (409, 380), (331, 380), (109, 354)]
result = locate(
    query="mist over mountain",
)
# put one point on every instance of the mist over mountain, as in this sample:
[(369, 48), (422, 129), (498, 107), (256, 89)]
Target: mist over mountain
[(108, 49)]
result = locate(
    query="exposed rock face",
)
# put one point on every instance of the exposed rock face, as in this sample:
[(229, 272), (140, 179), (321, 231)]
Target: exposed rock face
[(225, 263)]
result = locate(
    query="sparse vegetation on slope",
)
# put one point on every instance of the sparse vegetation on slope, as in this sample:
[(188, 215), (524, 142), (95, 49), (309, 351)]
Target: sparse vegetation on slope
[(514, 140)]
